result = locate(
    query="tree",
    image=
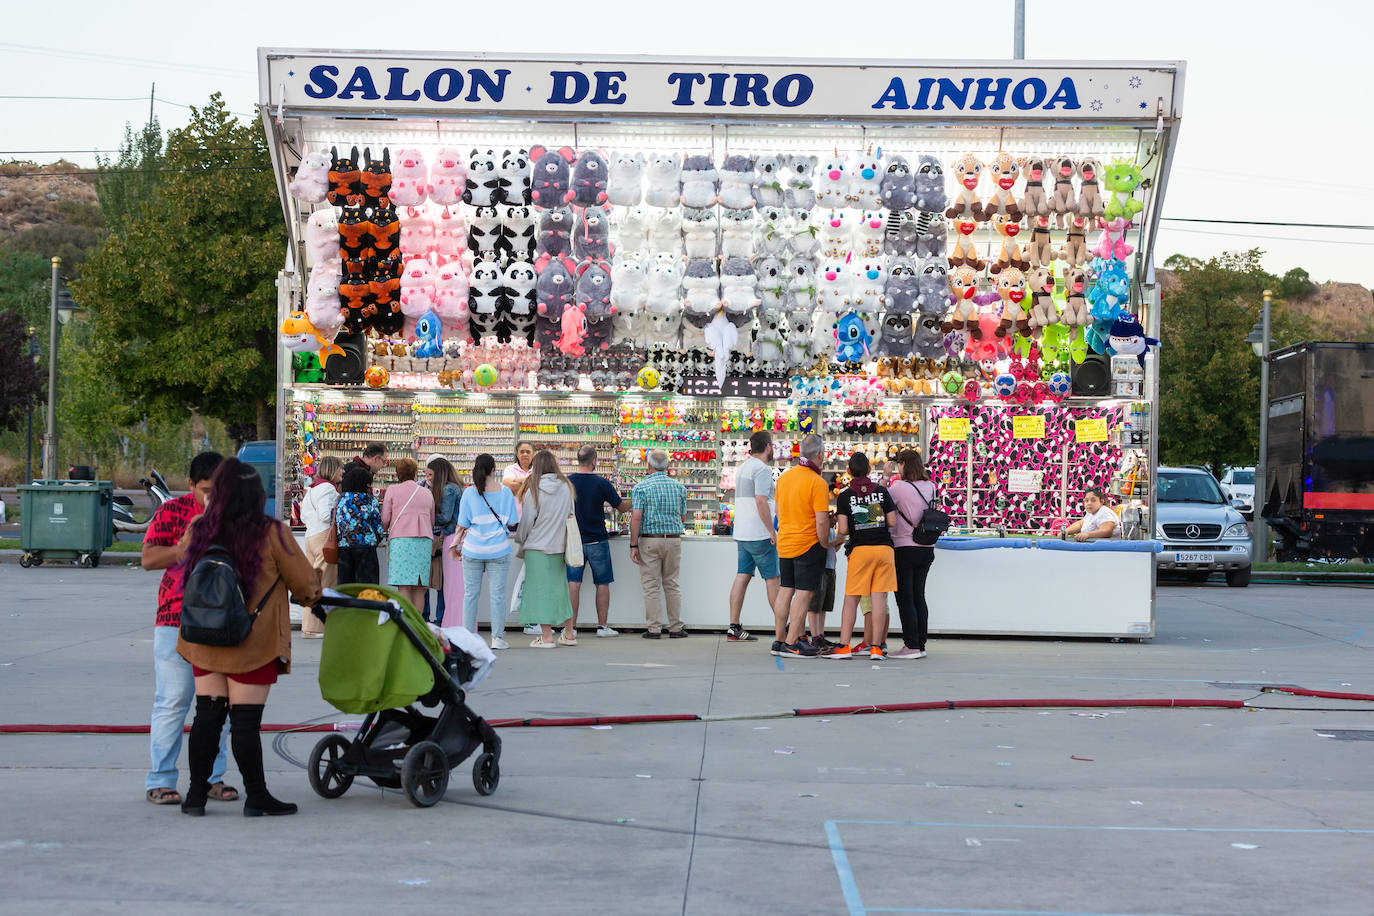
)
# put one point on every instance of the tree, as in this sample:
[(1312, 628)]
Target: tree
[(21, 384), (24, 286), (130, 181), (183, 292), (1295, 284), (1209, 376)]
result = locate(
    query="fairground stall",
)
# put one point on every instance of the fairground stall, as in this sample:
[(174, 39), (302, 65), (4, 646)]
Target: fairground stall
[(641, 254)]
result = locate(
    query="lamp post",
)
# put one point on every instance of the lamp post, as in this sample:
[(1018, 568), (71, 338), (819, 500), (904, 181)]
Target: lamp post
[(60, 311), (28, 438), (1259, 342)]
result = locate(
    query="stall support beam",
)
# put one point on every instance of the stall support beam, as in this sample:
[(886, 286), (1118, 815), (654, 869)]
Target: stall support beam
[(1018, 51)]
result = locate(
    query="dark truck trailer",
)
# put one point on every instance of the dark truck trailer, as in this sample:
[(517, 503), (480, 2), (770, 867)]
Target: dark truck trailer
[(1318, 493)]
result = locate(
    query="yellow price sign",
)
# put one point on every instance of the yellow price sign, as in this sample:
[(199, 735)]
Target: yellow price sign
[(1090, 429), (1030, 427), (953, 429)]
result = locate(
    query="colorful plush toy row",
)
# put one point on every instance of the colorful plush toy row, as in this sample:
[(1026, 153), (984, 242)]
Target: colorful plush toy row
[(481, 178)]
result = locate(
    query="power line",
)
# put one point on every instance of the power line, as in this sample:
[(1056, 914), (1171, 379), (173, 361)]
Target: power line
[(1253, 222), (78, 173), (101, 98), (1272, 238), (145, 63), (180, 149)]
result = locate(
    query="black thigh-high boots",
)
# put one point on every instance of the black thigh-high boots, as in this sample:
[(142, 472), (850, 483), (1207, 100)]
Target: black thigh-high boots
[(201, 750), (245, 721)]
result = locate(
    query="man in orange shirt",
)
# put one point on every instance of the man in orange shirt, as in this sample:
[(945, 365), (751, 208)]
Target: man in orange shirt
[(803, 505)]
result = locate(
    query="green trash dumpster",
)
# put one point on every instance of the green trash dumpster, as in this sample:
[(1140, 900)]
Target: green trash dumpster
[(66, 520)]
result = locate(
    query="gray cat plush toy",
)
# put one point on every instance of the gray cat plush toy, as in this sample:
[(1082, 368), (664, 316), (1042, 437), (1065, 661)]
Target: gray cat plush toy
[(933, 282), (894, 335), (901, 289), (898, 188)]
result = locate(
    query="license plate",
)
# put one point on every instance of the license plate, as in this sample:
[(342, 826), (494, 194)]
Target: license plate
[(1192, 558)]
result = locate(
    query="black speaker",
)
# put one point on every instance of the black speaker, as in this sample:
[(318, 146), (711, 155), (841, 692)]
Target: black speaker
[(1092, 377), (347, 369)]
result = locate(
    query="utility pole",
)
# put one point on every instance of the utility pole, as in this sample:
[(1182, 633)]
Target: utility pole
[(1018, 45), (50, 437), (153, 92), (1261, 527)]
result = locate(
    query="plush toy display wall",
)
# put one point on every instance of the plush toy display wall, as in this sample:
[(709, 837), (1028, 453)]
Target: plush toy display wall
[(823, 261)]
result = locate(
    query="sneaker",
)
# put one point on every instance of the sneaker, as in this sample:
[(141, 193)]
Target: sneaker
[(800, 649), (777, 647), (604, 632), (736, 633), (824, 643), (908, 653), (565, 641), (538, 643), (678, 634), (532, 629), (652, 634), (499, 643), (838, 653), (860, 648), (875, 652)]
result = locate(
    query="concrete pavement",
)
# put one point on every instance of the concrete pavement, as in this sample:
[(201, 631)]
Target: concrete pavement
[(955, 811)]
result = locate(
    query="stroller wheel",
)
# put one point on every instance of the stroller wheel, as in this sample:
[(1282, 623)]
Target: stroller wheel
[(326, 777), (486, 774), (424, 774)]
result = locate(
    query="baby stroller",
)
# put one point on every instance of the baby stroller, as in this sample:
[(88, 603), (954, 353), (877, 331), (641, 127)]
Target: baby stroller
[(379, 658)]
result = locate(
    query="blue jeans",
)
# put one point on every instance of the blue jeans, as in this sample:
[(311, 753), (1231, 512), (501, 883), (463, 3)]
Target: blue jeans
[(496, 571), (172, 700)]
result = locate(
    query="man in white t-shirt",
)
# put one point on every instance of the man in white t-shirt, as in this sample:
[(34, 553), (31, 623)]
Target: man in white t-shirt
[(1098, 521), (756, 539)]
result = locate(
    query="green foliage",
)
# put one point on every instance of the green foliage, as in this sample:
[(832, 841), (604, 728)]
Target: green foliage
[(1209, 382), (20, 383), (130, 182), (24, 287), (70, 243), (1295, 284), (183, 291)]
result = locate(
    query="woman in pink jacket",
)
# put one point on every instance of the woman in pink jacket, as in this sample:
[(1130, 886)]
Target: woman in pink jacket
[(408, 517)]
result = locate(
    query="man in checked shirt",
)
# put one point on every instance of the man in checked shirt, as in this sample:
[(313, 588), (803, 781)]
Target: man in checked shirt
[(658, 507)]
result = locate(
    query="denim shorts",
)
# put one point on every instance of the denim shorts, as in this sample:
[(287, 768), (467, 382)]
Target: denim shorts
[(598, 557), (758, 555)]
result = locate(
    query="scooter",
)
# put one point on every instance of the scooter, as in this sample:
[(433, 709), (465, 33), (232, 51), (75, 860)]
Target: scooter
[(123, 508)]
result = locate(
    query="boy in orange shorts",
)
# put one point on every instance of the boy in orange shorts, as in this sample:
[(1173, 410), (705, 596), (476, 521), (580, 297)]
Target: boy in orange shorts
[(865, 512)]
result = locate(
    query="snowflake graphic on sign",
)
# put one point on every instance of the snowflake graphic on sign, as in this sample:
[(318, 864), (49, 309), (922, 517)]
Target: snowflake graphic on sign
[(1095, 104), (1135, 82)]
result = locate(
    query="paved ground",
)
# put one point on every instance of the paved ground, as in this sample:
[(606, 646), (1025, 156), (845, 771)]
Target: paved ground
[(1008, 811)]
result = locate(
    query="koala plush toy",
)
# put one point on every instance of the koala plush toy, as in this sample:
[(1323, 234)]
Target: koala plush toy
[(768, 190), (801, 180), (771, 283)]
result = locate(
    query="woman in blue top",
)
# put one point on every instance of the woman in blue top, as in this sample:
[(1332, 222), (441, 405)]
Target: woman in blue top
[(358, 524), (446, 571), (485, 515)]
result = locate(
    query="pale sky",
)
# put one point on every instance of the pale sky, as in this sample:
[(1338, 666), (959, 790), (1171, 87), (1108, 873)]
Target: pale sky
[(1275, 106)]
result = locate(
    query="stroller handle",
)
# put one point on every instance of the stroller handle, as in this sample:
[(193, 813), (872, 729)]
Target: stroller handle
[(329, 601)]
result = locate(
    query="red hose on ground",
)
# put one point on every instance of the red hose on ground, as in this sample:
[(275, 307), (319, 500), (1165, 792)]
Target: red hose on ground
[(1325, 694), (1024, 704)]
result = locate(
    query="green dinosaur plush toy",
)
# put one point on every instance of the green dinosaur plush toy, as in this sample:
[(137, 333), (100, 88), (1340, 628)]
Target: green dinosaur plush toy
[(1121, 179)]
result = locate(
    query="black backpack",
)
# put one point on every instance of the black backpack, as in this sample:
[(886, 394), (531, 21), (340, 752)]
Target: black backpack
[(934, 522), (213, 611)]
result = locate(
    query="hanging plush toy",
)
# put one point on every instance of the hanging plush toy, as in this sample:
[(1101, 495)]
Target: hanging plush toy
[(417, 290), (1112, 242), (448, 177), (699, 182), (1075, 249), (311, 183), (1064, 203), (484, 291), (322, 237), (664, 187), (701, 292), (1121, 180), (721, 337), (517, 288), (353, 228), (852, 340), (450, 236), (767, 185), (1075, 300), (376, 178), (1127, 338), (1039, 251), (417, 233), (832, 183), (625, 184), (384, 289), (895, 335), (834, 286), (588, 187), (451, 296), (554, 236), (1089, 192), (902, 287), (836, 234), (965, 251), (967, 205), (513, 178), (801, 285), (898, 189), (737, 232), (554, 288), (593, 291), (868, 234), (630, 229), (963, 286), (930, 185), (1005, 171), (1034, 203), (355, 298), (517, 238), (322, 297), (1040, 283), (484, 233), (699, 230), (1009, 253), (736, 182), (800, 191), (737, 291), (870, 280), (932, 283), (409, 178), (1060, 386), (664, 286), (629, 285), (383, 229), (299, 335), (483, 184), (866, 180), (574, 331), (770, 283), (1011, 287), (429, 336), (550, 175), (345, 179)]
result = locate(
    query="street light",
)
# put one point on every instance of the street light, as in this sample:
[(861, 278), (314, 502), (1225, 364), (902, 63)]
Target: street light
[(28, 439), (1258, 339), (62, 308)]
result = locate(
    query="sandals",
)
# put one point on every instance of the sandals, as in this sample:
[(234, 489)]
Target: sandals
[(538, 643), (164, 795), (563, 640), (221, 792)]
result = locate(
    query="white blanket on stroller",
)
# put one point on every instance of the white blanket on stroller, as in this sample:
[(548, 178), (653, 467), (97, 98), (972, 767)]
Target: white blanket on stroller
[(471, 645)]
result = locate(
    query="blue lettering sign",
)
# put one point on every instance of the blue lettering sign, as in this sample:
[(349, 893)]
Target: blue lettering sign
[(322, 85), (494, 88), (685, 83), (1066, 95), (990, 93), (360, 82), (1037, 89), (895, 94), (443, 85), (608, 87), (792, 90), (569, 87), (749, 90), (949, 92), (716, 97), (396, 90)]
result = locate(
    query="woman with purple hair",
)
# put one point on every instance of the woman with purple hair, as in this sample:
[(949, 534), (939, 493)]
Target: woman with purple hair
[(233, 681)]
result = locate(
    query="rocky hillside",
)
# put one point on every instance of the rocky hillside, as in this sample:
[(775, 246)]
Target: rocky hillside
[(1337, 311), (43, 195)]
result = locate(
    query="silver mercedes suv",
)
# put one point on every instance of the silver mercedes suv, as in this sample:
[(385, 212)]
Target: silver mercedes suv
[(1202, 532)]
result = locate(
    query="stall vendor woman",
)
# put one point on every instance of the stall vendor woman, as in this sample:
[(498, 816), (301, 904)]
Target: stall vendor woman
[(1098, 520)]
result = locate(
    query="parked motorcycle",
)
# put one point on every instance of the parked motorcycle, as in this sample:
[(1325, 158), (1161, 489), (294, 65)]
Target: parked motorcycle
[(123, 509)]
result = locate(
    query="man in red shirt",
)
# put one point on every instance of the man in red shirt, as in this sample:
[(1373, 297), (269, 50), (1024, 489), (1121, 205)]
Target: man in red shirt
[(175, 685)]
